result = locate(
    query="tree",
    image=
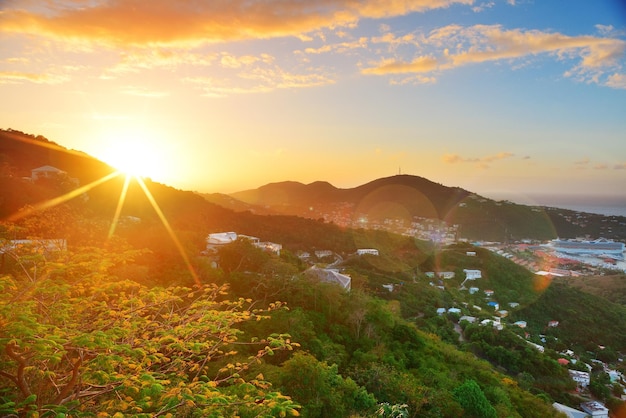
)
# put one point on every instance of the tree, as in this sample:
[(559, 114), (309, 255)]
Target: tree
[(74, 339), (473, 400), (322, 391)]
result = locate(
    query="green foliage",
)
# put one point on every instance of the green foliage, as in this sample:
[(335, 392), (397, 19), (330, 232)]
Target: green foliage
[(321, 389), (585, 320), (76, 339), (473, 400)]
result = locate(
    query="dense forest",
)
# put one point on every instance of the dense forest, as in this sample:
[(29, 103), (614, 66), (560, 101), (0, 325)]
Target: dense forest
[(133, 317)]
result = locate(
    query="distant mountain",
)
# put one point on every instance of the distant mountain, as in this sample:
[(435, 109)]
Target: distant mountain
[(406, 198), (396, 195), (402, 197), (229, 202)]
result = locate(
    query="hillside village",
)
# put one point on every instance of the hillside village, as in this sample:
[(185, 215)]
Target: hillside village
[(484, 311), (470, 299)]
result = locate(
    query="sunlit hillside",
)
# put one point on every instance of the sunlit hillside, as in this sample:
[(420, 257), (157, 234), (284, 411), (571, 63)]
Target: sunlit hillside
[(113, 305)]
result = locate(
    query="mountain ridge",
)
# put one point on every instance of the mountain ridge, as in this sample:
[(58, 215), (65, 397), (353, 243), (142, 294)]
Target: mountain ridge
[(403, 197)]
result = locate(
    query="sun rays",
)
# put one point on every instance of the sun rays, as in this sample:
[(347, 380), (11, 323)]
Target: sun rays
[(128, 178)]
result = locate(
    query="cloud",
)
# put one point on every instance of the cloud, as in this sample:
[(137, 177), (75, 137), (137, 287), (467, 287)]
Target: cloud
[(620, 166), (232, 61), (600, 167), (138, 59), (482, 162), (455, 46), (617, 81), (172, 22), (258, 80), (582, 164), (10, 77), (391, 39), (422, 64), (340, 48), (491, 43), (483, 6)]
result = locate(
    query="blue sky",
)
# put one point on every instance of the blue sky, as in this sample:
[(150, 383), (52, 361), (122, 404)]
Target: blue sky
[(504, 97)]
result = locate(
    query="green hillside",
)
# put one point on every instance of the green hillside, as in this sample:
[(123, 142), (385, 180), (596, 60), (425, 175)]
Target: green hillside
[(138, 320)]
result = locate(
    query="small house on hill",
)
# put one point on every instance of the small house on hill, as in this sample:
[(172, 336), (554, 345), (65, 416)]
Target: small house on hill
[(472, 274), (330, 276), (45, 171), (370, 251)]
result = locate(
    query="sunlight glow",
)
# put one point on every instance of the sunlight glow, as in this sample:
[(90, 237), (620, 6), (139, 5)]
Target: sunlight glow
[(60, 199), (133, 152), (170, 231), (120, 205)]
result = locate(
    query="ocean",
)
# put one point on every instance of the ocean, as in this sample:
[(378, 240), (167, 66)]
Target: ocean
[(603, 205)]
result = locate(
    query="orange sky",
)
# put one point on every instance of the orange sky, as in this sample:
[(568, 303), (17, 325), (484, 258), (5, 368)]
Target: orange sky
[(506, 96)]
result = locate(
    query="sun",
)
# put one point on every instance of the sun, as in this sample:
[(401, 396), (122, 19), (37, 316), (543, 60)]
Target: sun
[(134, 153)]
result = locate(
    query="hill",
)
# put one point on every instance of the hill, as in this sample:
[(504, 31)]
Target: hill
[(396, 196), (145, 298), (611, 288), (404, 200)]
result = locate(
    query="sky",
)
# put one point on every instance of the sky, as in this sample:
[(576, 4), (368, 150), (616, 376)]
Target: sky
[(510, 97)]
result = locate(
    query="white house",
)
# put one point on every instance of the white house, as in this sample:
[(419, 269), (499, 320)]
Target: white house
[(470, 319), (472, 274), (488, 292), (521, 324), (45, 172), (454, 311), (43, 245), (581, 378), (371, 251), (569, 412), (538, 347), (496, 324), (218, 239), (331, 276), (221, 238), (323, 253), (473, 290), (595, 409)]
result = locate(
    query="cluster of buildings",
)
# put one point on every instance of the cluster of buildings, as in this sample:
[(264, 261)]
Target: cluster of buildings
[(560, 257), (216, 240)]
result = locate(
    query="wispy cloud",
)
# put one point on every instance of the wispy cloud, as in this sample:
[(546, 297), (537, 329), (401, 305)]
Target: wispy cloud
[(582, 164), (139, 59), (455, 46), (172, 22), (482, 162), (257, 80), (422, 64), (483, 6), (617, 81), (586, 163), (340, 47), (9, 77)]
